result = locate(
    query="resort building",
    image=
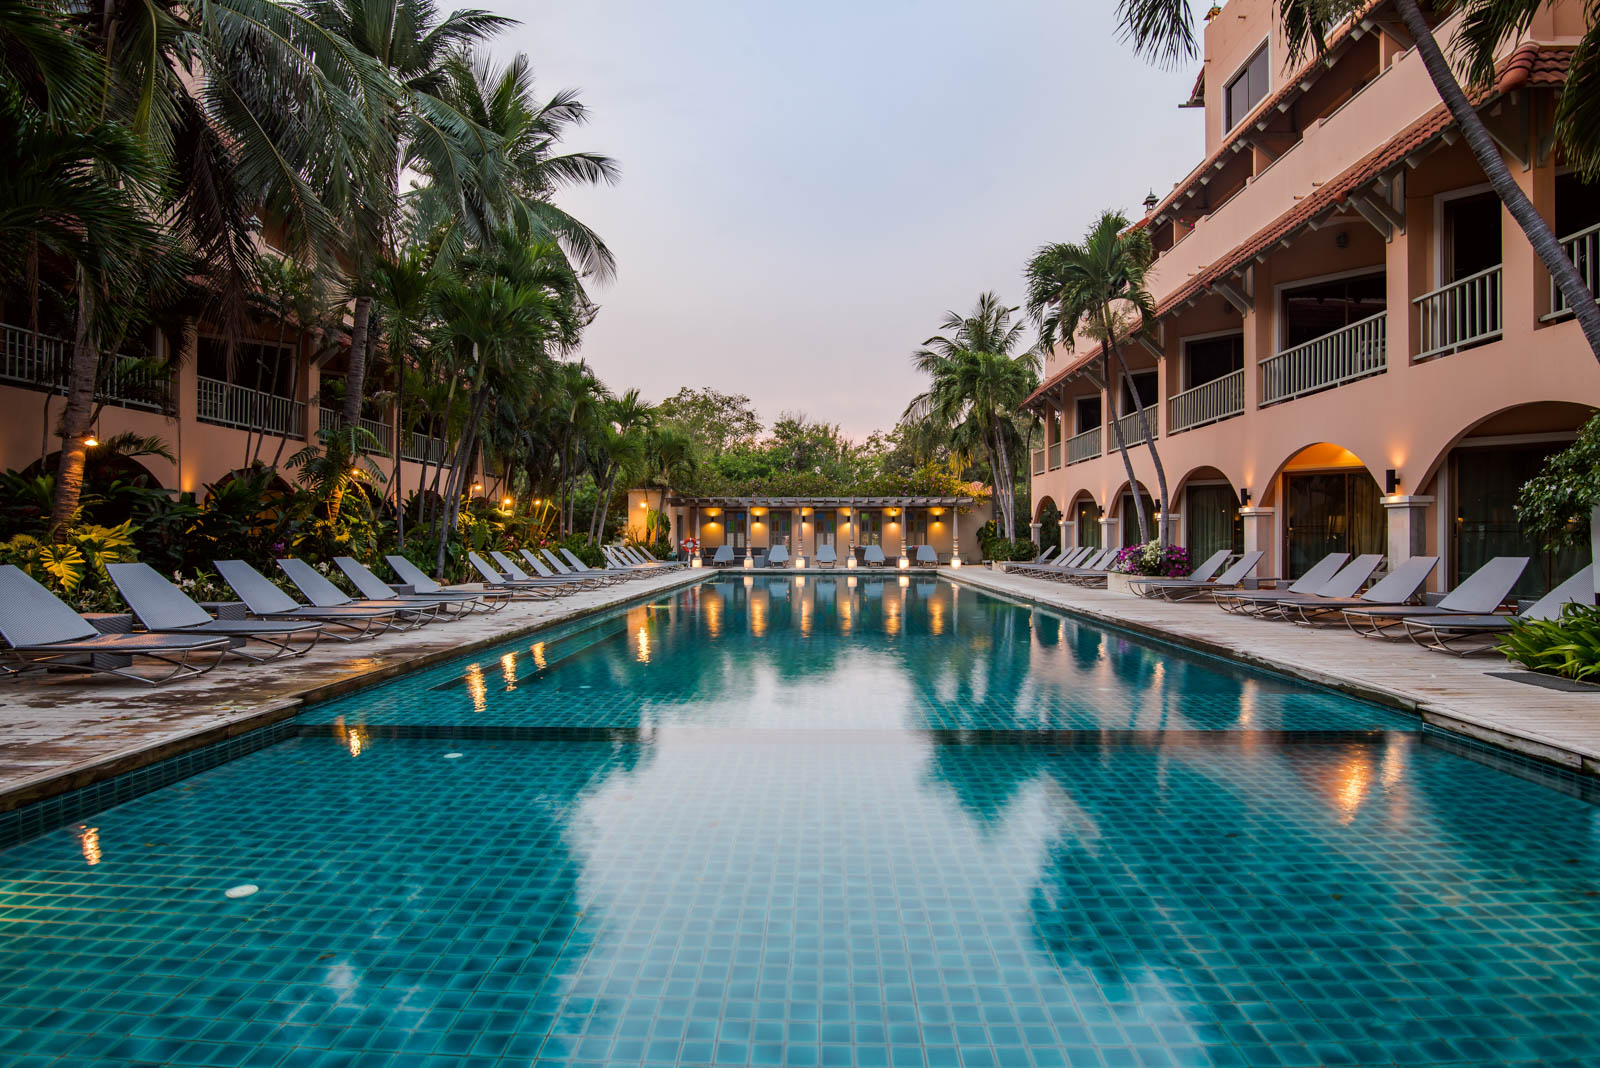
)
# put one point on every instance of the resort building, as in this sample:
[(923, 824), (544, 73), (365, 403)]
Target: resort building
[(753, 525), (1357, 349)]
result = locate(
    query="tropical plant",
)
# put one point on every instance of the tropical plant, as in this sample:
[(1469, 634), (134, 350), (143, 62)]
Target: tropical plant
[(1568, 647), (1152, 558), (976, 393), (1097, 288), (1164, 30), (670, 460), (1556, 505)]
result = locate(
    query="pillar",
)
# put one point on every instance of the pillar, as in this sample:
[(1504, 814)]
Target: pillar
[(1069, 535), (1259, 536), (1109, 538), (1407, 526), (1033, 531), (185, 409)]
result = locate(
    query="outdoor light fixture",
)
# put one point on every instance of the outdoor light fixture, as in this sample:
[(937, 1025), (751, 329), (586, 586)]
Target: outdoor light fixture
[(905, 562), (505, 502), (800, 563), (748, 562), (91, 441), (850, 561), (1391, 482), (1244, 496), (955, 563), (476, 486)]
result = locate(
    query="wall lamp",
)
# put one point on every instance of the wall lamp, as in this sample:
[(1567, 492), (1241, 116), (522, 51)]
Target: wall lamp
[(1391, 481), (1244, 496)]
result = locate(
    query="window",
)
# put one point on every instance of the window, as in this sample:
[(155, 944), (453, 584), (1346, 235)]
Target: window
[(1332, 512), (1208, 359), (870, 531), (1130, 519), (1316, 310), (1248, 88), (1145, 382), (738, 532), (1486, 481), (1471, 236), (1577, 205), (917, 526), (1088, 413), (1087, 514)]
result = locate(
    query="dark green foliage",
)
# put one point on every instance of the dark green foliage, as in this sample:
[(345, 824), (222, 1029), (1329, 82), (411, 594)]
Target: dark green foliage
[(1568, 647), (1556, 505)]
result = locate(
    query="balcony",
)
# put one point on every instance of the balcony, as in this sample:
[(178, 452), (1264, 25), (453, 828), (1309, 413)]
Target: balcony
[(422, 449), (226, 404), (1055, 455), (328, 419), (1347, 354), (1038, 461), (1460, 315), (1583, 248), (44, 362), (1221, 398), (1131, 433), (1084, 446)]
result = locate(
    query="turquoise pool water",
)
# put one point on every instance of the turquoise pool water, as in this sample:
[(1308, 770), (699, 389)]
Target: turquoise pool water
[(775, 824)]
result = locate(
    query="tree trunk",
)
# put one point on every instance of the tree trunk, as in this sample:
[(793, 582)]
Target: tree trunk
[(78, 415), (1127, 462), (1163, 531), (1538, 232), (1003, 485), (355, 380), (399, 450), (452, 508)]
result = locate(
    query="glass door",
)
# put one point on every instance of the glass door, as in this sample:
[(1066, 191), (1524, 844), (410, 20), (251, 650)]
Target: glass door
[(824, 525), (1329, 512), (782, 529), (738, 530)]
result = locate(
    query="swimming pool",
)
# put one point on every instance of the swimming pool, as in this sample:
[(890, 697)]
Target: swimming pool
[(760, 822)]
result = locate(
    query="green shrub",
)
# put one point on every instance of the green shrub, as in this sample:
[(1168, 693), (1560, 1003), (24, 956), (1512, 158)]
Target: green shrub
[(1568, 647)]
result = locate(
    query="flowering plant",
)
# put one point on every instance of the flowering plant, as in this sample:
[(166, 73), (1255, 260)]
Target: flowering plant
[(1154, 559)]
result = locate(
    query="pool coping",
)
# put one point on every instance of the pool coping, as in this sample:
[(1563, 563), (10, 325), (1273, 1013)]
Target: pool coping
[(1429, 710), (71, 777)]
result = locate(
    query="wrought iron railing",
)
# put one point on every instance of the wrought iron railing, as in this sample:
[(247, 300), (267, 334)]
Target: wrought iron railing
[(1583, 248), (226, 404), (44, 362), (1459, 315), (1346, 354), (1218, 399), (1084, 446)]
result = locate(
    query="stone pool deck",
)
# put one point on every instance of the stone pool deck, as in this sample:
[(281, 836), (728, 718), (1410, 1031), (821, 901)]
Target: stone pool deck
[(61, 733), (1458, 694)]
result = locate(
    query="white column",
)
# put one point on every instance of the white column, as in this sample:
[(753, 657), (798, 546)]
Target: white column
[(1109, 539), (1408, 532), (1258, 537), (1033, 532)]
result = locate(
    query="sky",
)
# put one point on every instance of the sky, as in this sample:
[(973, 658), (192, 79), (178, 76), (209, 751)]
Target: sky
[(807, 188)]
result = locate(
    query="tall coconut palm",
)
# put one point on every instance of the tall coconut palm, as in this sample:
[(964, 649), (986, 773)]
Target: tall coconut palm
[(619, 448), (404, 289), (670, 458), (1164, 30), (978, 386), (1098, 288), (424, 132)]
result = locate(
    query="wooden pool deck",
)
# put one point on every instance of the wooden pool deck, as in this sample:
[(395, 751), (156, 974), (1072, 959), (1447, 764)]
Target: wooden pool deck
[(1458, 694)]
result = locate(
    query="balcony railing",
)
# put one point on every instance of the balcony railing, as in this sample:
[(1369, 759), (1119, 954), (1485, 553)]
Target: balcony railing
[(1038, 461), (1349, 353), (1084, 446), (44, 363), (1055, 455), (422, 449), (226, 404), (1218, 399), (1459, 315), (1131, 432), (1583, 248), (328, 418)]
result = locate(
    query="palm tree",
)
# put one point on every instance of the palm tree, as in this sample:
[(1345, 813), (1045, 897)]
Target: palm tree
[(978, 386), (670, 458), (424, 131), (619, 448), (1164, 30), (1098, 288), (404, 290)]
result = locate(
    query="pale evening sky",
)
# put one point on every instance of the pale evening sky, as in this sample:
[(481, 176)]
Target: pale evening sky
[(806, 188)]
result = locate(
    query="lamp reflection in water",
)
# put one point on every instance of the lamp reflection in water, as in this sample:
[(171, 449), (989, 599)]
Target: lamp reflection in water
[(1354, 779), (352, 738), (538, 655), (88, 843), (758, 614), (642, 636), (508, 671), (712, 606), (935, 616), (475, 687)]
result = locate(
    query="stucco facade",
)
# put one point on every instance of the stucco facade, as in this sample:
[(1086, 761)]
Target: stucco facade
[(1357, 348)]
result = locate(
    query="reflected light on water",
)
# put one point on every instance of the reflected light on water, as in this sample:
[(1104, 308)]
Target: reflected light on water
[(891, 615), (538, 655), (642, 638), (89, 842), (508, 671), (847, 609), (935, 616), (1354, 780), (711, 608), (475, 687), (758, 614), (352, 738)]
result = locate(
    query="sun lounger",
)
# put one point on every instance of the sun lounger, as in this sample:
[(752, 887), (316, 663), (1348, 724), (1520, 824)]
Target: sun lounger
[(1395, 588), (561, 584), (873, 557), (777, 556), (1145, 585), (374, 588), (537, 588), (1092, 561), (826, 557), (723, 557), (1045, 556), (1190, 589), (617, 569), (45, 634), (645, 556), (324, 594), (1071, 558), (1343, 583), (1091, 570), (1480, 593), (1466, 634), (926, 557), (544, 571), (266, 601), (162, 608), (412, 575), (1316, 577)]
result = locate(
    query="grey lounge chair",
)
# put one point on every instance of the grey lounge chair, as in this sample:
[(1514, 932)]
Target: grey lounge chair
[(375, 589), (623, 556), (1317, 576), (649, 557), (162, 608), (543, 570), (45, 634), (1145, 586), (1465, 634), (576, 566), (1188, 589), (826, 557), (723, 557), (1045, 556), (1092, 573), (873, 556), (561, 584), (1091, 564), (1395, 588), (1480, 593), (412, 575), (1343, 583), (537, 588), (1070, 558), (927, 557), (777, 556), (265, 600), (324, 594)]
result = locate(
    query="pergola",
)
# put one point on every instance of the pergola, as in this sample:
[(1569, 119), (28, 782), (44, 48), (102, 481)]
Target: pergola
[(853, 504)]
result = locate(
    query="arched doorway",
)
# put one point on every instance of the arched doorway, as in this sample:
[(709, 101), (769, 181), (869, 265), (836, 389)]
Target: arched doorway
[(1210, 514), (1330, 503), (1048, 516), (1085, 514)]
